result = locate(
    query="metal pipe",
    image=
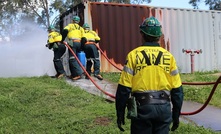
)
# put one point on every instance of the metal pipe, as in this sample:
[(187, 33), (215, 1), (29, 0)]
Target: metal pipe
[(192, 62), (192, 53)]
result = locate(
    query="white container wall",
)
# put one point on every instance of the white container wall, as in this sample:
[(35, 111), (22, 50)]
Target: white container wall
[(192, 30), (184, 30)]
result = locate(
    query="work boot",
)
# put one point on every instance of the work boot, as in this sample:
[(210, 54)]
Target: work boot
[(86, 77), (60, 76), (99, 77), (76, 78), (69, 77), (55, 76)]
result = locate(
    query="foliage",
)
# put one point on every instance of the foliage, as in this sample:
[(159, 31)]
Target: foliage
[(114, 77), (140, 1), (197, 93), (44, 105), (200, 93), (213, 4), (14, 12), (7, 15)]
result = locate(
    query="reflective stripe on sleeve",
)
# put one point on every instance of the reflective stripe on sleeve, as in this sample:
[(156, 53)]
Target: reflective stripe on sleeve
[(174, 72), (128, 70)]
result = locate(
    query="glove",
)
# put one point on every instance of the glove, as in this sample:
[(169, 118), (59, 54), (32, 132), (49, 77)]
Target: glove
[(177, 101), (175, 125), (83, 41), (122, 96), (58, 43), (97, 41), (120, 121), (48, 46)]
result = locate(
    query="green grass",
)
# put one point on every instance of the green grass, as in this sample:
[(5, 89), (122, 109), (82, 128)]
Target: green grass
[(200, 93), (197, 93), (41, 105), (45, 105)]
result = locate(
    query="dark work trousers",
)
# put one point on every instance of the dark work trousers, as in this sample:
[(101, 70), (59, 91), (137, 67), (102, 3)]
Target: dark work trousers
[(58, 53), (74, 66), (92, 53), (152, 119)]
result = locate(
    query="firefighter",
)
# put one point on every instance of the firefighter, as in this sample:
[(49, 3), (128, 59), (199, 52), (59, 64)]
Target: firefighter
[(88, 43), (59, 49), (74, 33), (150, 77)]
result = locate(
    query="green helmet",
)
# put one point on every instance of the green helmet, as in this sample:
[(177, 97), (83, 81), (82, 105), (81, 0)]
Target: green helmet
[(76, 19), (86, 25), (51, 28), (151, 26)]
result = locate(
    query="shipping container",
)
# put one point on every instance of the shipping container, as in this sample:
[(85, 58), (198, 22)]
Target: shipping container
[(192, 36)]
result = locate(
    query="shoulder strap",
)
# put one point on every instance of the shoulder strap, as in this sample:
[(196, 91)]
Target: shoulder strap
[(92, 32), (78, 28)]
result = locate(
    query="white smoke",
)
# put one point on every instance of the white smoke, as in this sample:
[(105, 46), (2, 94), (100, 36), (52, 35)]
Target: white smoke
[(26, 55)]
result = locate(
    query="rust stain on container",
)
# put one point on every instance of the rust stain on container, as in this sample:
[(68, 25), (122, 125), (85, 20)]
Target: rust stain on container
[(118, 27)]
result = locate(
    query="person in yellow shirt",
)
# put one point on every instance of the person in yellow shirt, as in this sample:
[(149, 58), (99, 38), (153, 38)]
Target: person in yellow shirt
[(59, 49), (74, 32), (88, 41), (151, 78)]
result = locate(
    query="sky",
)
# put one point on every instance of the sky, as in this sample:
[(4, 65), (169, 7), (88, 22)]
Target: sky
[(177, 4)]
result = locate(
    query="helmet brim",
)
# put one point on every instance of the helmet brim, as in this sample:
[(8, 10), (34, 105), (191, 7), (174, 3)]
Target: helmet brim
[(154, 31)]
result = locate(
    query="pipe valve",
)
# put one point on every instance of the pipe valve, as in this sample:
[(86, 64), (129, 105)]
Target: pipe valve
[(198, 51), (192, 53)]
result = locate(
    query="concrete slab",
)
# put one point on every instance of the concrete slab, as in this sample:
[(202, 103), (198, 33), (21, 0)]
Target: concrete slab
[(210, 117), (102, 88)]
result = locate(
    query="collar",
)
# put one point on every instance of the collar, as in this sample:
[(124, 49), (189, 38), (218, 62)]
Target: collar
[(153, 44)]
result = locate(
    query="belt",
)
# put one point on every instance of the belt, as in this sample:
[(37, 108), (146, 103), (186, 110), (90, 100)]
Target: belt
[(158, 97), (75, 40), (90, 42)]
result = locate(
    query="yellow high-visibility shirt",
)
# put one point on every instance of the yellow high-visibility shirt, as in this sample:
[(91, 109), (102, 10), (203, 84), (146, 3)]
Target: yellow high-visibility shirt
[(91, 35), (74, 31), (54, 37), (150, 68)]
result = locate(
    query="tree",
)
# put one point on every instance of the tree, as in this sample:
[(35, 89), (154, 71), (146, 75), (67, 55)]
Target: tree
[(42, 11), (213, 4), (16, 11), (7, 15), (38, 11)]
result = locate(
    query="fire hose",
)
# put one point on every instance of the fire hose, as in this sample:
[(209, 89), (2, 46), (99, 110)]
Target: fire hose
[(209, 97), (112, 96), (107, 58), (184, 83)]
